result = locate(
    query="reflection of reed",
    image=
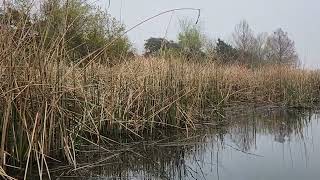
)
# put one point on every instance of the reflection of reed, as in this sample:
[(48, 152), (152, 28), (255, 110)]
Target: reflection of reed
[(149, 160), (181, 158), (282, 124)]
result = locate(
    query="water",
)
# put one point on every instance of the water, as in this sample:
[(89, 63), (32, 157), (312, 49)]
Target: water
[(278, 144)]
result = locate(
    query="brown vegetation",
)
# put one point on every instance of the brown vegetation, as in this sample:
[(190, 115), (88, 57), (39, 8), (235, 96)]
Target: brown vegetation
[(50, 101)]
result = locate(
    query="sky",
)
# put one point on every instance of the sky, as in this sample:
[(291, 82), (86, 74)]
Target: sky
[(300, 18)]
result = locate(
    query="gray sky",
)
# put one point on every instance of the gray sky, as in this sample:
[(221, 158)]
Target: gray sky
[(300, 18)]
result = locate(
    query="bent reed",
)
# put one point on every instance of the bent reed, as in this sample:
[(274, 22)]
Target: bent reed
[(48, 105)]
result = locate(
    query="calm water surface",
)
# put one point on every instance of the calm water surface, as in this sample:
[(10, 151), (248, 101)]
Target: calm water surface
[(277, 144)]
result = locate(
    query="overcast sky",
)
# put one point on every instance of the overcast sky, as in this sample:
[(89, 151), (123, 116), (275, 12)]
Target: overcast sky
[(300, 18)]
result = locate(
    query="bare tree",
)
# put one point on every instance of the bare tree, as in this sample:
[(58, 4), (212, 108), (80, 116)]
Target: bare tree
[(259, 47), (243, 36), (281, 49)]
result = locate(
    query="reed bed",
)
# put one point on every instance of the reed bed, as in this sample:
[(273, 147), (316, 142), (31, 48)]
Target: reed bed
[(49, 105), (47, 111)]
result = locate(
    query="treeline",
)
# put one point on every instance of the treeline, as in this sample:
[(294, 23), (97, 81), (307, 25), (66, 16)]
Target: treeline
[(85, 31), (246, 47)]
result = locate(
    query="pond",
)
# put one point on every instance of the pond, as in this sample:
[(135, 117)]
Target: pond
[(256, 145)]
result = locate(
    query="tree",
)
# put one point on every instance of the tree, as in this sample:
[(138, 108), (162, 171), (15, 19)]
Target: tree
[(281, 49), (153, 46), (225, 52), (190, 38), (258, 49), (243, 38), (84, 28), (259, 46)]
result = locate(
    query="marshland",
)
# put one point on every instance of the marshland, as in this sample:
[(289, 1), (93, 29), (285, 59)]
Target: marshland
[(78, 101)]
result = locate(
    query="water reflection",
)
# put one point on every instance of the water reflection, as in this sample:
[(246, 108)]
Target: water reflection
[(277, 144)]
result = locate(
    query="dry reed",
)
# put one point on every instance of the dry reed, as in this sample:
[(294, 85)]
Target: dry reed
[(48, 106)]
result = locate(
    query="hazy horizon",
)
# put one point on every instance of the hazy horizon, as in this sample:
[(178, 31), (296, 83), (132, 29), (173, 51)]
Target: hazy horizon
[(218, 19)]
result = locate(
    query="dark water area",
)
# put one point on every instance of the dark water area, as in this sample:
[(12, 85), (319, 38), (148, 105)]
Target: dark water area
[(253, 145)]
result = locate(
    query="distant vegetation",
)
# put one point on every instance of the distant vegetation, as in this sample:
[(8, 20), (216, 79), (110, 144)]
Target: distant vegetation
[(246, 49), (68, 76)]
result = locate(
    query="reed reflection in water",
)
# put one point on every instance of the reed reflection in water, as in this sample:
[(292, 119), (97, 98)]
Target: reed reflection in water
[(277, 144)]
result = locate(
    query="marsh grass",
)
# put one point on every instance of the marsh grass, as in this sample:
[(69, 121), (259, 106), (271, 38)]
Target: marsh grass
[(44, 118), (49, 106)]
